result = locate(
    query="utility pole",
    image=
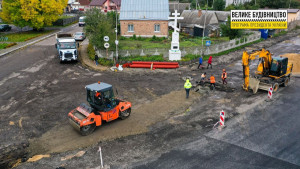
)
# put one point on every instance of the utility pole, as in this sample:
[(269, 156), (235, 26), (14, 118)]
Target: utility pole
[(117, 42), (204, 24), (290, 4)]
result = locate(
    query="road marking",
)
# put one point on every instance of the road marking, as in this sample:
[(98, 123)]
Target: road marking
[(12, 102), (11, 76), (34, 68)]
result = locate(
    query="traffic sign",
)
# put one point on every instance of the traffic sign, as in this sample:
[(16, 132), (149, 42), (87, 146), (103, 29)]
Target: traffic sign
[(106, 45), (106, 38), (116, 42), (208, 43)]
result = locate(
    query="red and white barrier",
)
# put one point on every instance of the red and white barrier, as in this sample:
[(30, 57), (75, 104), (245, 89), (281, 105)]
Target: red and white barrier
[(222, 118), (270, 93)]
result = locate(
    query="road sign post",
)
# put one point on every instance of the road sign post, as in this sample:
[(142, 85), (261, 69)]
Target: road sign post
[(106, 45)]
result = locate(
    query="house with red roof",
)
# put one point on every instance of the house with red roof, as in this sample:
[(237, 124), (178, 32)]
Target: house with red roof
[(81, 5), (106, 5)]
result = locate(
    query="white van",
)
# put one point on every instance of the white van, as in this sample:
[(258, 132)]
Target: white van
[(82, 21)]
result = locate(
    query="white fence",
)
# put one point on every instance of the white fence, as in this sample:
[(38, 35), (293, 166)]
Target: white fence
[(186, 50)]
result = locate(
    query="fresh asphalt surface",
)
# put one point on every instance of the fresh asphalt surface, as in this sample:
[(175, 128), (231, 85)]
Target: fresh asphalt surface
[(267, 137)]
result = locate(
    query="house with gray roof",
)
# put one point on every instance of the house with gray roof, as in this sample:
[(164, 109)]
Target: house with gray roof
[(180, 7), (144, 18), (197, 21)]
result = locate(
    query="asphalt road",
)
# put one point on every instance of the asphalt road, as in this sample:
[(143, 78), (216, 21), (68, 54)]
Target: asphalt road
[(265, 137), (36, 92)]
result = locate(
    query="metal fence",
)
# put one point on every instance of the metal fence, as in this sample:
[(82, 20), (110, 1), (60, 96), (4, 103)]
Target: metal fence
[(66, 21), (197, 50)]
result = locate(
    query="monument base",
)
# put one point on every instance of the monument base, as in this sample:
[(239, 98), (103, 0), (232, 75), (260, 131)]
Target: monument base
[(174, 55)]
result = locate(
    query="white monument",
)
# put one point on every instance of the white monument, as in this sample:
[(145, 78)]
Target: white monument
[(175, 53)]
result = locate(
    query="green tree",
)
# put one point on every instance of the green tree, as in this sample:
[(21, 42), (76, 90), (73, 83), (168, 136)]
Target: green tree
[(33, 13), (228, 32), (219, 5), (97, 26), (273, 3)]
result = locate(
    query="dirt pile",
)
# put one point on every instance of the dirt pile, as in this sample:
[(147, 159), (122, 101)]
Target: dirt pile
[(295, 59)]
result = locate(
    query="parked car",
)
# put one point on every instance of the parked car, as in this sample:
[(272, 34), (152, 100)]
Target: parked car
[(79, 36), (5, 27)]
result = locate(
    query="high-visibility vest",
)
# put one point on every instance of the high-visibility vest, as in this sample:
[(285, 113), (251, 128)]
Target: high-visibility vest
[(212, 79), (224, 75), (187, 85)]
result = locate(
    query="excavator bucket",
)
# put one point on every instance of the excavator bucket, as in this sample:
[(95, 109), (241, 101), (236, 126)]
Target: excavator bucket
[(254, 84)]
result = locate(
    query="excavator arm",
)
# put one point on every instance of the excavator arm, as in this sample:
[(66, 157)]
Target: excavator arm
[(262, 68)]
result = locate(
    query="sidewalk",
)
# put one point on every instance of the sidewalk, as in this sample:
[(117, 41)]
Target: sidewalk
[(20, 45), (86, 61)]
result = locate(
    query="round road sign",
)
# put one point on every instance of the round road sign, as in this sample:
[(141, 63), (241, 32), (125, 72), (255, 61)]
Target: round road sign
[(106, 45), (106, 38)]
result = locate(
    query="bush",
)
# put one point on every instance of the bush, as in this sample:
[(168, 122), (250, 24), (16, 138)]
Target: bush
[(138, 45), (91, 51), (153, 38), (123, 38), (105, 62), (134, 37), (10, 45), (101, 61), (140, 38)]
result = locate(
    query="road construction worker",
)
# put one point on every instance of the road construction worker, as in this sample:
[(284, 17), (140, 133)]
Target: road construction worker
[(209, 62), (98, 97), (212, 82), (200, 62), (224, 76), (187, 87), (203, 76)]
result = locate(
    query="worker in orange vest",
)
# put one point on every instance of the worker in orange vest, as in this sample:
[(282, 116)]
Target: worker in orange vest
[(212, 82), (224, 76)]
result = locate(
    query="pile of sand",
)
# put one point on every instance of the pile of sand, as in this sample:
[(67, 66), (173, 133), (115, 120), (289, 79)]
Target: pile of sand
[(295, 59)]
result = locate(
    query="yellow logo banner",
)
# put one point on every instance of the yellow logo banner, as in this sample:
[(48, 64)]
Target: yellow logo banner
[(259, 19)]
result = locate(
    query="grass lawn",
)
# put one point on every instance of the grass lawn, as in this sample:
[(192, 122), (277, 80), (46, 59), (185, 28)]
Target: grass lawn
[(3, 45), (24, 36), (65, 17), (148, 43)]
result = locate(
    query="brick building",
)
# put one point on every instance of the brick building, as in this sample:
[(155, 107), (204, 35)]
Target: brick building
[(144, 18)]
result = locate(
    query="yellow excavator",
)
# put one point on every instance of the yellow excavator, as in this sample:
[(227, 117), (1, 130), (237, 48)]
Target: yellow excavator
[(271, 71)]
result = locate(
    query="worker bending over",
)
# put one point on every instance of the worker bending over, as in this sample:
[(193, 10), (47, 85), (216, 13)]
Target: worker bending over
[(203, 76), (224, 76)]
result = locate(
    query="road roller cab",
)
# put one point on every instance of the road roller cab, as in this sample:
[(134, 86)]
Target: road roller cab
[(103, 107)]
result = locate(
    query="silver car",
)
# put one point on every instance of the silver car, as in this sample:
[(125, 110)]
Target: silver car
[(79, 36)]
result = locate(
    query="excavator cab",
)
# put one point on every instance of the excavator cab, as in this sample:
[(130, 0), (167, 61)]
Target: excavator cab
[(279, 66)]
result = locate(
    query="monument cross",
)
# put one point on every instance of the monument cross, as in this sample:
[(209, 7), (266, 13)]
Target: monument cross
[(175, 53), (176, 19)]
